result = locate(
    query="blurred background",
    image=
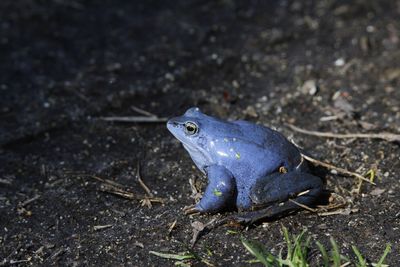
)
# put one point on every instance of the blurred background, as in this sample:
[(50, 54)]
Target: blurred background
[(321, 65)]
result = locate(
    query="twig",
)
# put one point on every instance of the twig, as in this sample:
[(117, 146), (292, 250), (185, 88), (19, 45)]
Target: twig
[(336, 212), (172, 227), (11, 262), (128, 195), (390, 137), (5, 181), (142, 184), (58, 253), (101, 227), (5, 261), (143, 112), (115, 188), (195, 192), (140, 119), (303, 206), (106, 181), (338, 169), (26, 202)]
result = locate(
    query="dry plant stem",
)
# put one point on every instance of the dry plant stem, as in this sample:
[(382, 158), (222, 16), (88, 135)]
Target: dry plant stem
[(139, 119), (143, 112), (142, 184), (338, 169), (107, 188), (390, 137), (172, 227), (303, 206), (115, 188), (106, 181), (101, 227), (26, 202), (5, 181)]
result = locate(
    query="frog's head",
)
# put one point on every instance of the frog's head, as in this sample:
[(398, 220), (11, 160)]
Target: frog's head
[(192, 129)]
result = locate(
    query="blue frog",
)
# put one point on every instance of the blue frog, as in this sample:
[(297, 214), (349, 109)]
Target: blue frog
[(249, 167)]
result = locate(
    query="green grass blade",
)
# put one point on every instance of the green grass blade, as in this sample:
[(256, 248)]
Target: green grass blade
[(178, 257), (385, 253), (324, 254), (335, 253), (361, 261), (288, 243), (300, 250), (297, 253), (259, 251)]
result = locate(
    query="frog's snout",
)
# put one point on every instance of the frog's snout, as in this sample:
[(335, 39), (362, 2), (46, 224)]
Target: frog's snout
[(172, 124)]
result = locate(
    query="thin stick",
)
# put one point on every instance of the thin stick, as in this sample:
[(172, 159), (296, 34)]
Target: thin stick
[(5, 181), (172, 227), (139, 119), (335, 212), (143, 112), (26, 202), (390, 137), (338, 169), (101, 227), (107, 188), (302, 205), (11, 262), (106, 181), (142, 184)]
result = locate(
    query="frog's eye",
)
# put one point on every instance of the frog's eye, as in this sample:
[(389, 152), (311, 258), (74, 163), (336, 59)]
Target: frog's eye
[(191, 128)]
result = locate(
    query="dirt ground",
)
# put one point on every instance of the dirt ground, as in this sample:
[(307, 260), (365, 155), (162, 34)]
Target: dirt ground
[(321, 65)]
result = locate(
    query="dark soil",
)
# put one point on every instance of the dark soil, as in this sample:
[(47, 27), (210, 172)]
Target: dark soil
[(65, 64)]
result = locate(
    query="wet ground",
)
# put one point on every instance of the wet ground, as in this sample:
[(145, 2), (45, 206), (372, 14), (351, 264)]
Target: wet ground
[(322, 65)]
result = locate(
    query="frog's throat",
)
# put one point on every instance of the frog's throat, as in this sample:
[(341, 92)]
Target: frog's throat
[(199, 157)]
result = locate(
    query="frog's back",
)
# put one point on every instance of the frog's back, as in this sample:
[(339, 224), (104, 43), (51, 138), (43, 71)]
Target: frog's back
[(272, 141), (261, 135)]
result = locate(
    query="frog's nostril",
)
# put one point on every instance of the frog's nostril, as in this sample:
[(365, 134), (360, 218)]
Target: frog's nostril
[(172, 123)]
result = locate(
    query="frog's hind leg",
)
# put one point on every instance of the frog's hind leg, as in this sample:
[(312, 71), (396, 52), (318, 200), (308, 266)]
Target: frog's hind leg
[(281, 193)]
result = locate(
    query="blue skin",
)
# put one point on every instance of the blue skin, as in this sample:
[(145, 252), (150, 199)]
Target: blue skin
[(249, 167)]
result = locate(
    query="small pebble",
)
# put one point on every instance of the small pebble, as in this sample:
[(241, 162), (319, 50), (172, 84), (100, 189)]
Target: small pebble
[(339, 62)]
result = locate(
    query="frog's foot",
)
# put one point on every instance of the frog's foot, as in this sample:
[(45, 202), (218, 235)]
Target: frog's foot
[(191, 210), (281, 193)]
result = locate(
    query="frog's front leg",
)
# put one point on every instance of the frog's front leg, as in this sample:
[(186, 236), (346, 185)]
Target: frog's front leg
[(220, 193), (279, 193)]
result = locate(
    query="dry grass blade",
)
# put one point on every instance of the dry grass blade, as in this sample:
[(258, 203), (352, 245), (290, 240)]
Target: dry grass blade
[(101, 227), (172, 227), (107, 188), (26, 202), (303, 206), (390, 137), (106, 181), (338, 169), (142, 184), (114, 188), (5, 181), (143, 112), (139, 119)]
